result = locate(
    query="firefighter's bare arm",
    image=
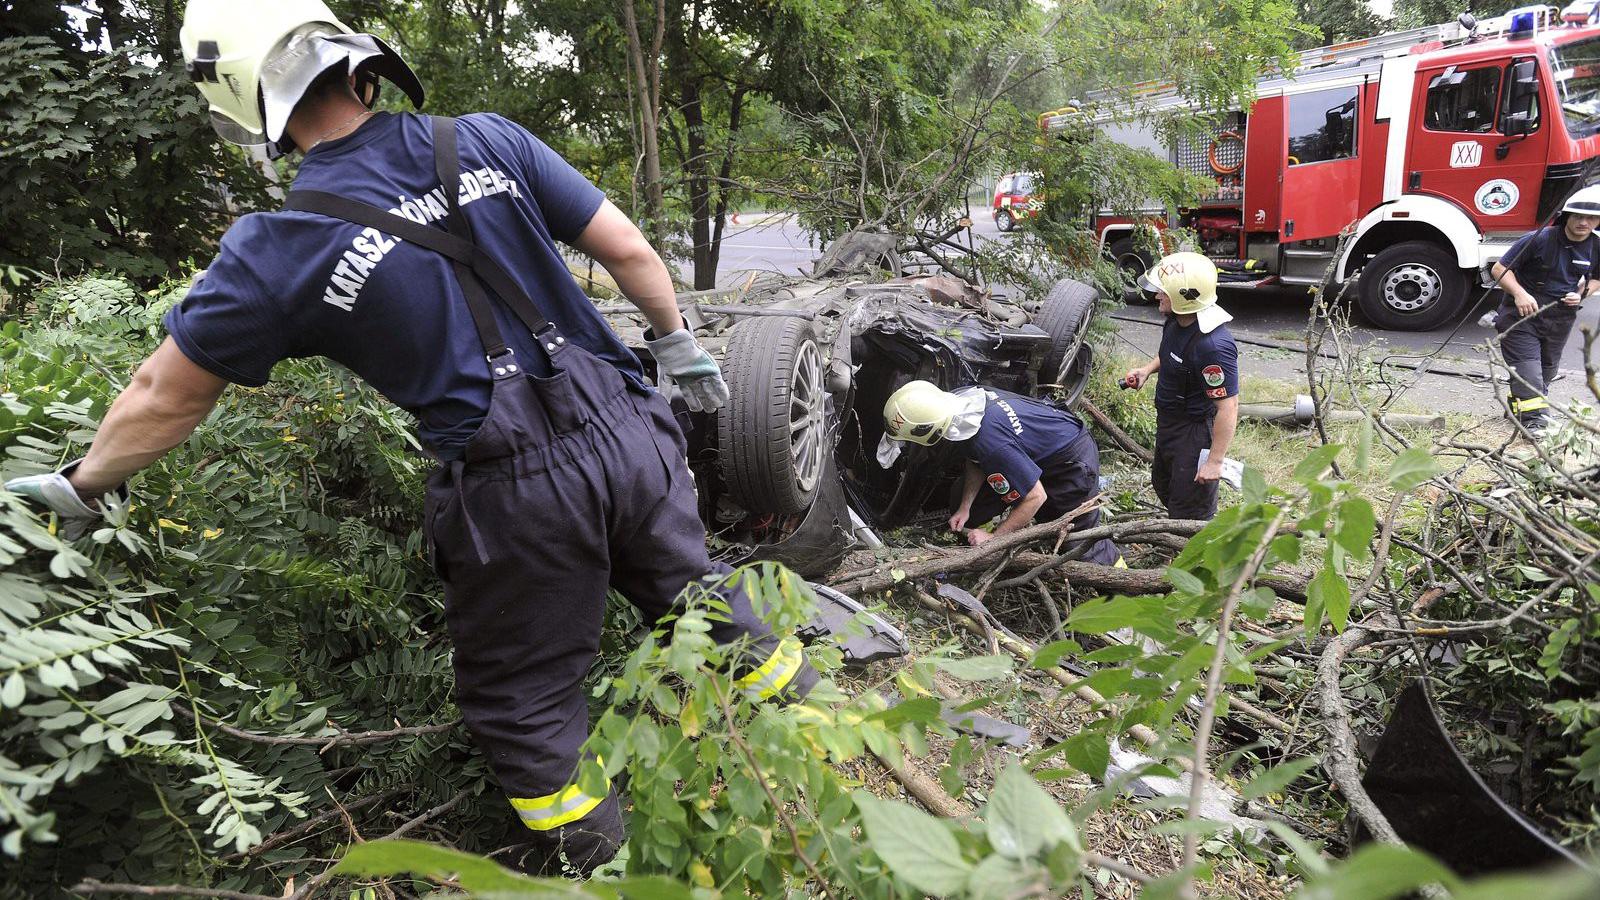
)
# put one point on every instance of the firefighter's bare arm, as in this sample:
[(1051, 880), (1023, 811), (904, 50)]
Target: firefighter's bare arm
[(1507, 279), (1137, 377), (969, 492), (618, 244), (1222, 428), (1021, 516), (168, 398)]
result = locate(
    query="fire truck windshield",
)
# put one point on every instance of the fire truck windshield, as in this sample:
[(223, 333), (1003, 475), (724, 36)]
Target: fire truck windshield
[(1577, 73)]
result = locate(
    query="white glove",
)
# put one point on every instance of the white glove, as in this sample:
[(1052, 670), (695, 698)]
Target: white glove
[(54, 491), (683, 360)]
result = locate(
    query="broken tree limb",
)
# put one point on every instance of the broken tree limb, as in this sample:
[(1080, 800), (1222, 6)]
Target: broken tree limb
[(961, 559), (1340, 757), (1128, 581), (1118, 436)]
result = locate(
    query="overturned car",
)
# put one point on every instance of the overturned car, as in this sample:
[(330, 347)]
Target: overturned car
[(788, 470)]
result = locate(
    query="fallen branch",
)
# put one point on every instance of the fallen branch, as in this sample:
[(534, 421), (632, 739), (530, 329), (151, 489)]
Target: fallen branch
[(312, 824), (1118, 436), (1340, 757), (1128, 581), (90, 886)]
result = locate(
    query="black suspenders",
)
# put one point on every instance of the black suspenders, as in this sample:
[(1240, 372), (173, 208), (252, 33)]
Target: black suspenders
[(473, 267)]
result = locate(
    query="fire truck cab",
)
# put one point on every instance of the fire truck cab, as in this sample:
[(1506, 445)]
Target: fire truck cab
[(1406, 162)]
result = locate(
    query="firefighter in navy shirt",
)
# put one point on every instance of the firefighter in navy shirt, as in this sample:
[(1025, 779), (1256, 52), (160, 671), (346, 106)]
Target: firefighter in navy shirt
[(423, 255), (1023, 457), (1546, 275), (1197, 393)]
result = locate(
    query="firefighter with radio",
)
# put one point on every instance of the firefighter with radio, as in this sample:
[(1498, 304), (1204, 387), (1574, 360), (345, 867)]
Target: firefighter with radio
[(1197, 393), (1024, 458), (1546, 276)]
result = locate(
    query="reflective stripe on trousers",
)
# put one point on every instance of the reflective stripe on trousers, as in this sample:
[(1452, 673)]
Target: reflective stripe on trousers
[(775, 674), (555, 810)]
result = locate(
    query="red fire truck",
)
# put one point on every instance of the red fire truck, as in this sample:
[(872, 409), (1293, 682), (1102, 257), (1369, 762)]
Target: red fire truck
[(1434, 148)]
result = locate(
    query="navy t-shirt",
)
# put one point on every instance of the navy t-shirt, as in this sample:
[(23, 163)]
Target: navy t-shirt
[(1016, 436), (1547, 254), (296, 284), (1196, 370)]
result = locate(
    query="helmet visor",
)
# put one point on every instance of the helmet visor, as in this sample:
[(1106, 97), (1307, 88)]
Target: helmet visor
[(234, 133)]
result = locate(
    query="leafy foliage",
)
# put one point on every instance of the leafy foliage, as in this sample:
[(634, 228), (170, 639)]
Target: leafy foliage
[(109, 163)]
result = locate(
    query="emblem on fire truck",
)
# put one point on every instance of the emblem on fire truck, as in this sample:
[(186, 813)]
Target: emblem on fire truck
[(1466, 155), (1496, 197)]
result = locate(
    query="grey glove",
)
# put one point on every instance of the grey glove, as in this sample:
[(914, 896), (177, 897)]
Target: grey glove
[(683, 360), (54, 491)]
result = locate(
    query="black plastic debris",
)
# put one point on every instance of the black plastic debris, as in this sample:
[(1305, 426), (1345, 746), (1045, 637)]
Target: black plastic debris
[(823, 538), (864, 637), (974, 723), (1435, 801)]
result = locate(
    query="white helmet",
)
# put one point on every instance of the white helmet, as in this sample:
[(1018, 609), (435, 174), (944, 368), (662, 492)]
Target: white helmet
[(919, 412), (254, 60), (1585, 202)]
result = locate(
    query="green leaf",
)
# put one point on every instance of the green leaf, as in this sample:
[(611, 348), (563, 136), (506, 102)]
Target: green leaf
[(1316, 462), (922, 709), (1331, 593), (1363, 460), (1573, 884), (1089, 752), (1051, 653), (1184, 581), (14, 692), (1275, 779), (1379, 872), (1411, 469), (1253, 485), (1357, 525), (975, 668), (1022, 818), (475, 873), (918, 848)]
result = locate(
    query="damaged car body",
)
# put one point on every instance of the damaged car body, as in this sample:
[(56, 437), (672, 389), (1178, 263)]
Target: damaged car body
[(787, 471)]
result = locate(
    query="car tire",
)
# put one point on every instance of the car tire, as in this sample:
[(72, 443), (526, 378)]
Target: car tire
[(1412, 286), (773, 434), (1004, 220), (1065, 315), (1132, 263)]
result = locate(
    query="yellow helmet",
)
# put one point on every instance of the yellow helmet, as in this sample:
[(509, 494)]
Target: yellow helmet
[(254, 60), (919, 412), (1190, 282)]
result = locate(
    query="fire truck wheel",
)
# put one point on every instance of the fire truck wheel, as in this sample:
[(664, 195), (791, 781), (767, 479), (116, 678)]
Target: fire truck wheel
[(1065, 314), (1003, 220), (1134, 263), (1412, 286)]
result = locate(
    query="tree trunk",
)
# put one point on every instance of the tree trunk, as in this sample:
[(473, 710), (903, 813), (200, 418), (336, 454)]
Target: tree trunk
[(649, 92)]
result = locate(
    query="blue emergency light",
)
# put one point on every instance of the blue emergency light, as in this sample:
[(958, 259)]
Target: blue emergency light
[(1521, 23)]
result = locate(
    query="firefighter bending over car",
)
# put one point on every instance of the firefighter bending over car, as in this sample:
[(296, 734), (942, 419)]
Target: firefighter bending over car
[(1197, 391), (1024, 457), (1546, 276), (410, 251)]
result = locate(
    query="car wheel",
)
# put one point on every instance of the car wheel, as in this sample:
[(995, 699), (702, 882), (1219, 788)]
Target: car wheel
[(773, 434), (1412, 286), (1004, 221), (1133, 263), (1065, 315)]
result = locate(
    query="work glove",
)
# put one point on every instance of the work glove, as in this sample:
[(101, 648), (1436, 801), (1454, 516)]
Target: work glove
[(681, 359), (54, 491)]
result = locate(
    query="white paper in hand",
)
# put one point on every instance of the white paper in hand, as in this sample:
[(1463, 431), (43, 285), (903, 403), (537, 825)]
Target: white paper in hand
[(1232, 469)]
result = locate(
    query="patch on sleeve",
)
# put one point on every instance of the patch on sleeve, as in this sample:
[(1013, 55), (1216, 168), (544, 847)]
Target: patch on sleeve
[(1000, 484), (1012, 497), (1213, 375), (1220, 393)]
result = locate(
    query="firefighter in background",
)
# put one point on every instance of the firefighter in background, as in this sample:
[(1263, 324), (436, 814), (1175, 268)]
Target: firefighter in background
[(1024, 457), (1546, 276), (562, 473), (1197, 393)]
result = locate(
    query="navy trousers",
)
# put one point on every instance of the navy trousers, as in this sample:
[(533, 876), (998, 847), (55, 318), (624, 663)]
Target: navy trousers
[(574, 484), (1179, 440), (1533, 351)]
